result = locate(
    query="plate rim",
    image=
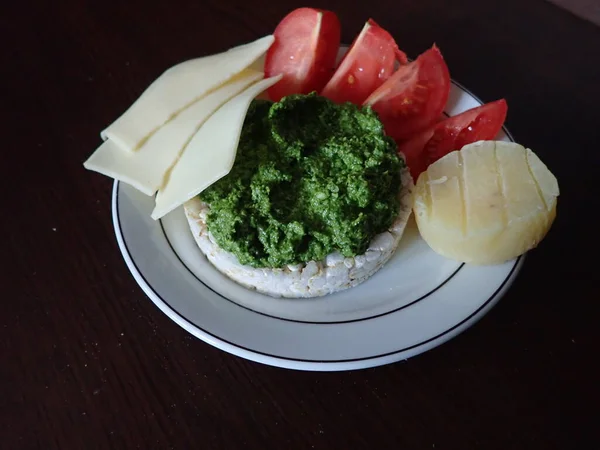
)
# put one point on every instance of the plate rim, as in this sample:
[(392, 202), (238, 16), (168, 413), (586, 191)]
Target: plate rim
[(299, 363)]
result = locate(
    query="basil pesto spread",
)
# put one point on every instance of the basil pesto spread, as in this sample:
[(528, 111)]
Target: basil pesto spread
[(310, 178)]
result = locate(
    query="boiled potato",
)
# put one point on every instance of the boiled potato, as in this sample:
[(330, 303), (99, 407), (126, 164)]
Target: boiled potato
[(487, 203)]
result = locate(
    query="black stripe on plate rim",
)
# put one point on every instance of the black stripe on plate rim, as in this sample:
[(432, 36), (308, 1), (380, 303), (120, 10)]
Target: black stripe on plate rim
[(276, 357)]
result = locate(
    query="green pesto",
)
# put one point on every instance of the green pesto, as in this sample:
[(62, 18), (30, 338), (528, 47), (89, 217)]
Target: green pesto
[(310, 177)]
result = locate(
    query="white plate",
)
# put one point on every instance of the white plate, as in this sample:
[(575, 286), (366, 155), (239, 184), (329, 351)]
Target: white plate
[(417, 301)]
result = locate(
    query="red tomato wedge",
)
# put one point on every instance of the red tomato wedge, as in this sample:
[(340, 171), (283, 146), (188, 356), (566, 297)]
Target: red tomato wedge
[(369, 62), (414, 97), (304, 51), (477, 124)]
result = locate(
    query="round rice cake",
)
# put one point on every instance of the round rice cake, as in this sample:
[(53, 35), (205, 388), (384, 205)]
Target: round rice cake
[(312, 279)]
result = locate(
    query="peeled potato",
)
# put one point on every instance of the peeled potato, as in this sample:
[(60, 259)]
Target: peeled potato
[(487, 203)]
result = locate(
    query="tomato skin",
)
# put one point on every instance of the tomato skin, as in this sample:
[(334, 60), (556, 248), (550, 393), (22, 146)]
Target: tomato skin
[(304, 51), (368, 63), (477, 124), (414, 97), (412, 151)]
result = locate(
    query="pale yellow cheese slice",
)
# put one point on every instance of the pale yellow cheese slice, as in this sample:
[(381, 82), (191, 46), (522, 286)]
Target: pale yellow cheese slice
[(178, 88), (145, 170), (487, 203), (210, 154)]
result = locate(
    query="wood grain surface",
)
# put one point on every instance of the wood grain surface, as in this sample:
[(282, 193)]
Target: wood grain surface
[(88, 362)]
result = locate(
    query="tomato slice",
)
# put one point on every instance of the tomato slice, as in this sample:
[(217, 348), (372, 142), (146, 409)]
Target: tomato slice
[(367, 64), (477, 124), (304, 51), (414, 97)]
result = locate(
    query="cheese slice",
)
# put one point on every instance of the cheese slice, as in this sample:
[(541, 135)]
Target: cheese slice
[(210, 154), (487, 203), (145, 169), (178, 88)]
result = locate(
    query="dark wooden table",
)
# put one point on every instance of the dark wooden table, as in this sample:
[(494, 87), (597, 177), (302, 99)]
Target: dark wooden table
[(89, 362)]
